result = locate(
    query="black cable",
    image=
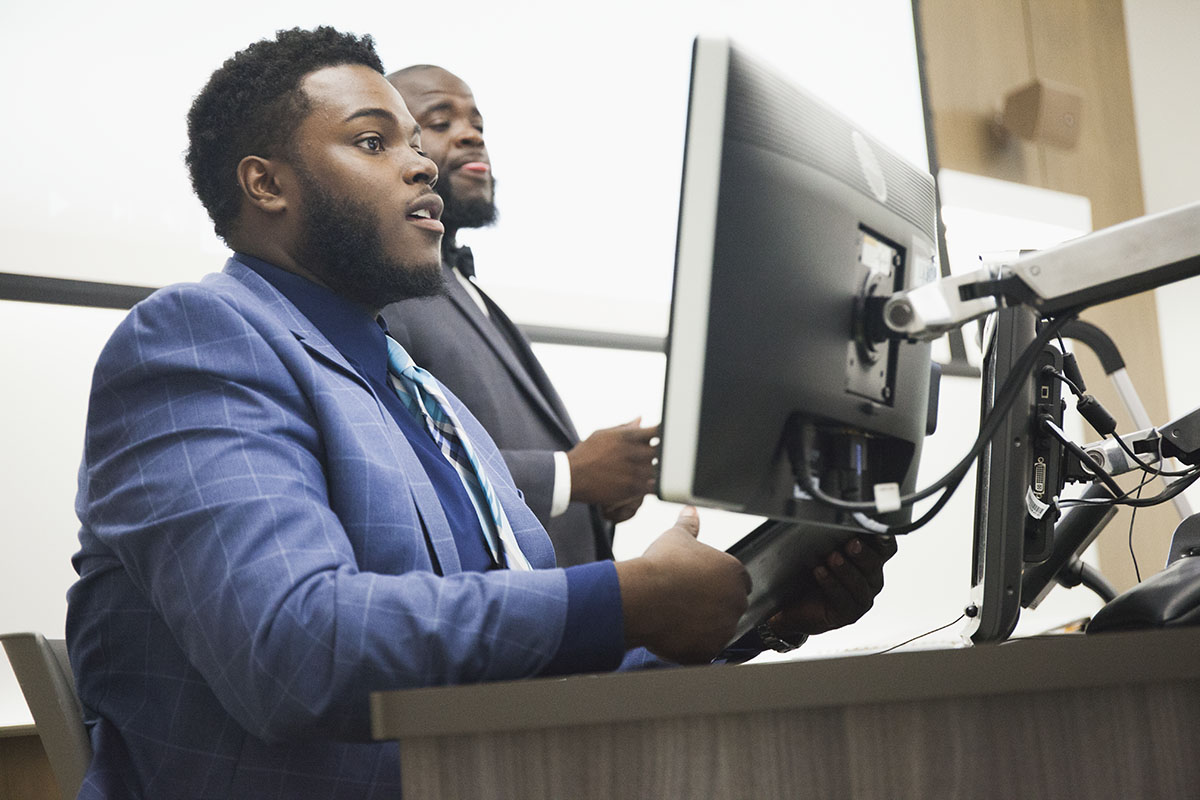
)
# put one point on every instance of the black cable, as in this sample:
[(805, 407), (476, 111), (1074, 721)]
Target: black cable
[(898, 530), (921, 635), (1099, 342), (1068, 502), (1003, 402), (1124, 498), (1136, 572), (1144, 467), (1120, 496), (1051, 371), (1175, 488), (1092, 578), (1101, 474)]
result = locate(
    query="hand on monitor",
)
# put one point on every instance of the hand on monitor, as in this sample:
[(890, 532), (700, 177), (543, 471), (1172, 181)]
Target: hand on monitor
[(620, 512), (614, 467), (839, 591), (682, 599)]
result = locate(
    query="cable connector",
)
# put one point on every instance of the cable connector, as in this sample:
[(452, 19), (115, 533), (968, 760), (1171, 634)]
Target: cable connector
[(1097, 415), (1071, 370), (887, 497)]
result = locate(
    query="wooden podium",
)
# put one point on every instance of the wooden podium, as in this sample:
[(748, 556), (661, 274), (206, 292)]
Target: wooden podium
[(1106, 716)]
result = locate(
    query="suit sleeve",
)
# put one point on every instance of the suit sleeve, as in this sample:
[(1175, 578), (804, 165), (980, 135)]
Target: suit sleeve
[(206, 479)]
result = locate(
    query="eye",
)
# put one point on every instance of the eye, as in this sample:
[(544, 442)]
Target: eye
[(372, 143), (438, 125)]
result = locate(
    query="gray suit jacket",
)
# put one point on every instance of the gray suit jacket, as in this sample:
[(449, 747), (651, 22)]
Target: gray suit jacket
[(488, 363)]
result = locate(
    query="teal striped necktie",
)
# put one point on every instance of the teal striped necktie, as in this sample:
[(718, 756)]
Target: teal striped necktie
[(423, 397)]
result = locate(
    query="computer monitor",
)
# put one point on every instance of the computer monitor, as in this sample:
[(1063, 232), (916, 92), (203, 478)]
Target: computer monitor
[(792, 222)]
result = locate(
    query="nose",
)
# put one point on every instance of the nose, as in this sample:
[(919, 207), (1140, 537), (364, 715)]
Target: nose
[(467, 135), (421, 169)]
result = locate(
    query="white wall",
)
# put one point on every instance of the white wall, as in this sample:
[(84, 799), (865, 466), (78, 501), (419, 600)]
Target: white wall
[(46, 354), (585, 109)]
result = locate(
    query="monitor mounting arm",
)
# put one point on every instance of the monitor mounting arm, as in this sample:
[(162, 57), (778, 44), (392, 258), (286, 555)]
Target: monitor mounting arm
[(1112, 263)]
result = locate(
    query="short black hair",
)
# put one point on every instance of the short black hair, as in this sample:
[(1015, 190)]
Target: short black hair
[(413, 68), (253, 105)]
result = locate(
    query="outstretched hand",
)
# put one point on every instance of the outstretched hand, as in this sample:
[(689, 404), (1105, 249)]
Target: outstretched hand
[(681, 600), (614, 468), (839, 591)]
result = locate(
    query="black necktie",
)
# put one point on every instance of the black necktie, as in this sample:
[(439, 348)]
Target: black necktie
[(461, 259)]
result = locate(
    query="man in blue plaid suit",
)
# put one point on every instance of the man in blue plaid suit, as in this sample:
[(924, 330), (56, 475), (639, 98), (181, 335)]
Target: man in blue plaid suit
[(269, 533)]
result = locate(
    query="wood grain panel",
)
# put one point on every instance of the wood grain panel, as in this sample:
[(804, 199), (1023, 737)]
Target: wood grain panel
[(24, 771), (974, 53), (1115, 742), (1105, 716), (1082, 43)]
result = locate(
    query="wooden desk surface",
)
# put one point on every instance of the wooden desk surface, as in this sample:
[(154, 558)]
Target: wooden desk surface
[(1109, 717), (1065, 662)]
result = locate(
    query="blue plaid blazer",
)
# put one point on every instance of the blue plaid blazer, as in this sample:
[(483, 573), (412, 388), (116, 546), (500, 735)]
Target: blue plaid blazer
[(256, 559)]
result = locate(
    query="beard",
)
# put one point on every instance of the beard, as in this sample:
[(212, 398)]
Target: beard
[(341, 244), (466, 212)]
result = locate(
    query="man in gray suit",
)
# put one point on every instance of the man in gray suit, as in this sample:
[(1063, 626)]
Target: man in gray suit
[(576, 488)]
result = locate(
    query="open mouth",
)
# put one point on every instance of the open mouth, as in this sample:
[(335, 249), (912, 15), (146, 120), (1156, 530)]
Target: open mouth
[(426, 213)]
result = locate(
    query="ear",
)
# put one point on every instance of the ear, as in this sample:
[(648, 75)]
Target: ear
[(259, 180)]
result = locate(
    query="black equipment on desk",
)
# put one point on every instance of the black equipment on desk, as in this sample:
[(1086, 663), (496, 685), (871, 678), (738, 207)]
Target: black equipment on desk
[(1020, 472), (1019, 557)]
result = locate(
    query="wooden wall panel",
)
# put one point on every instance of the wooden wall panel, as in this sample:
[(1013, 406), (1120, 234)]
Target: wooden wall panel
[(1081, 43), (977, 52), (24, 771), (974, 53)]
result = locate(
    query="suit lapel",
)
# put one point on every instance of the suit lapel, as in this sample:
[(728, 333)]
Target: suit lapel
[(543, 395), (429, 507), (535, 370)]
